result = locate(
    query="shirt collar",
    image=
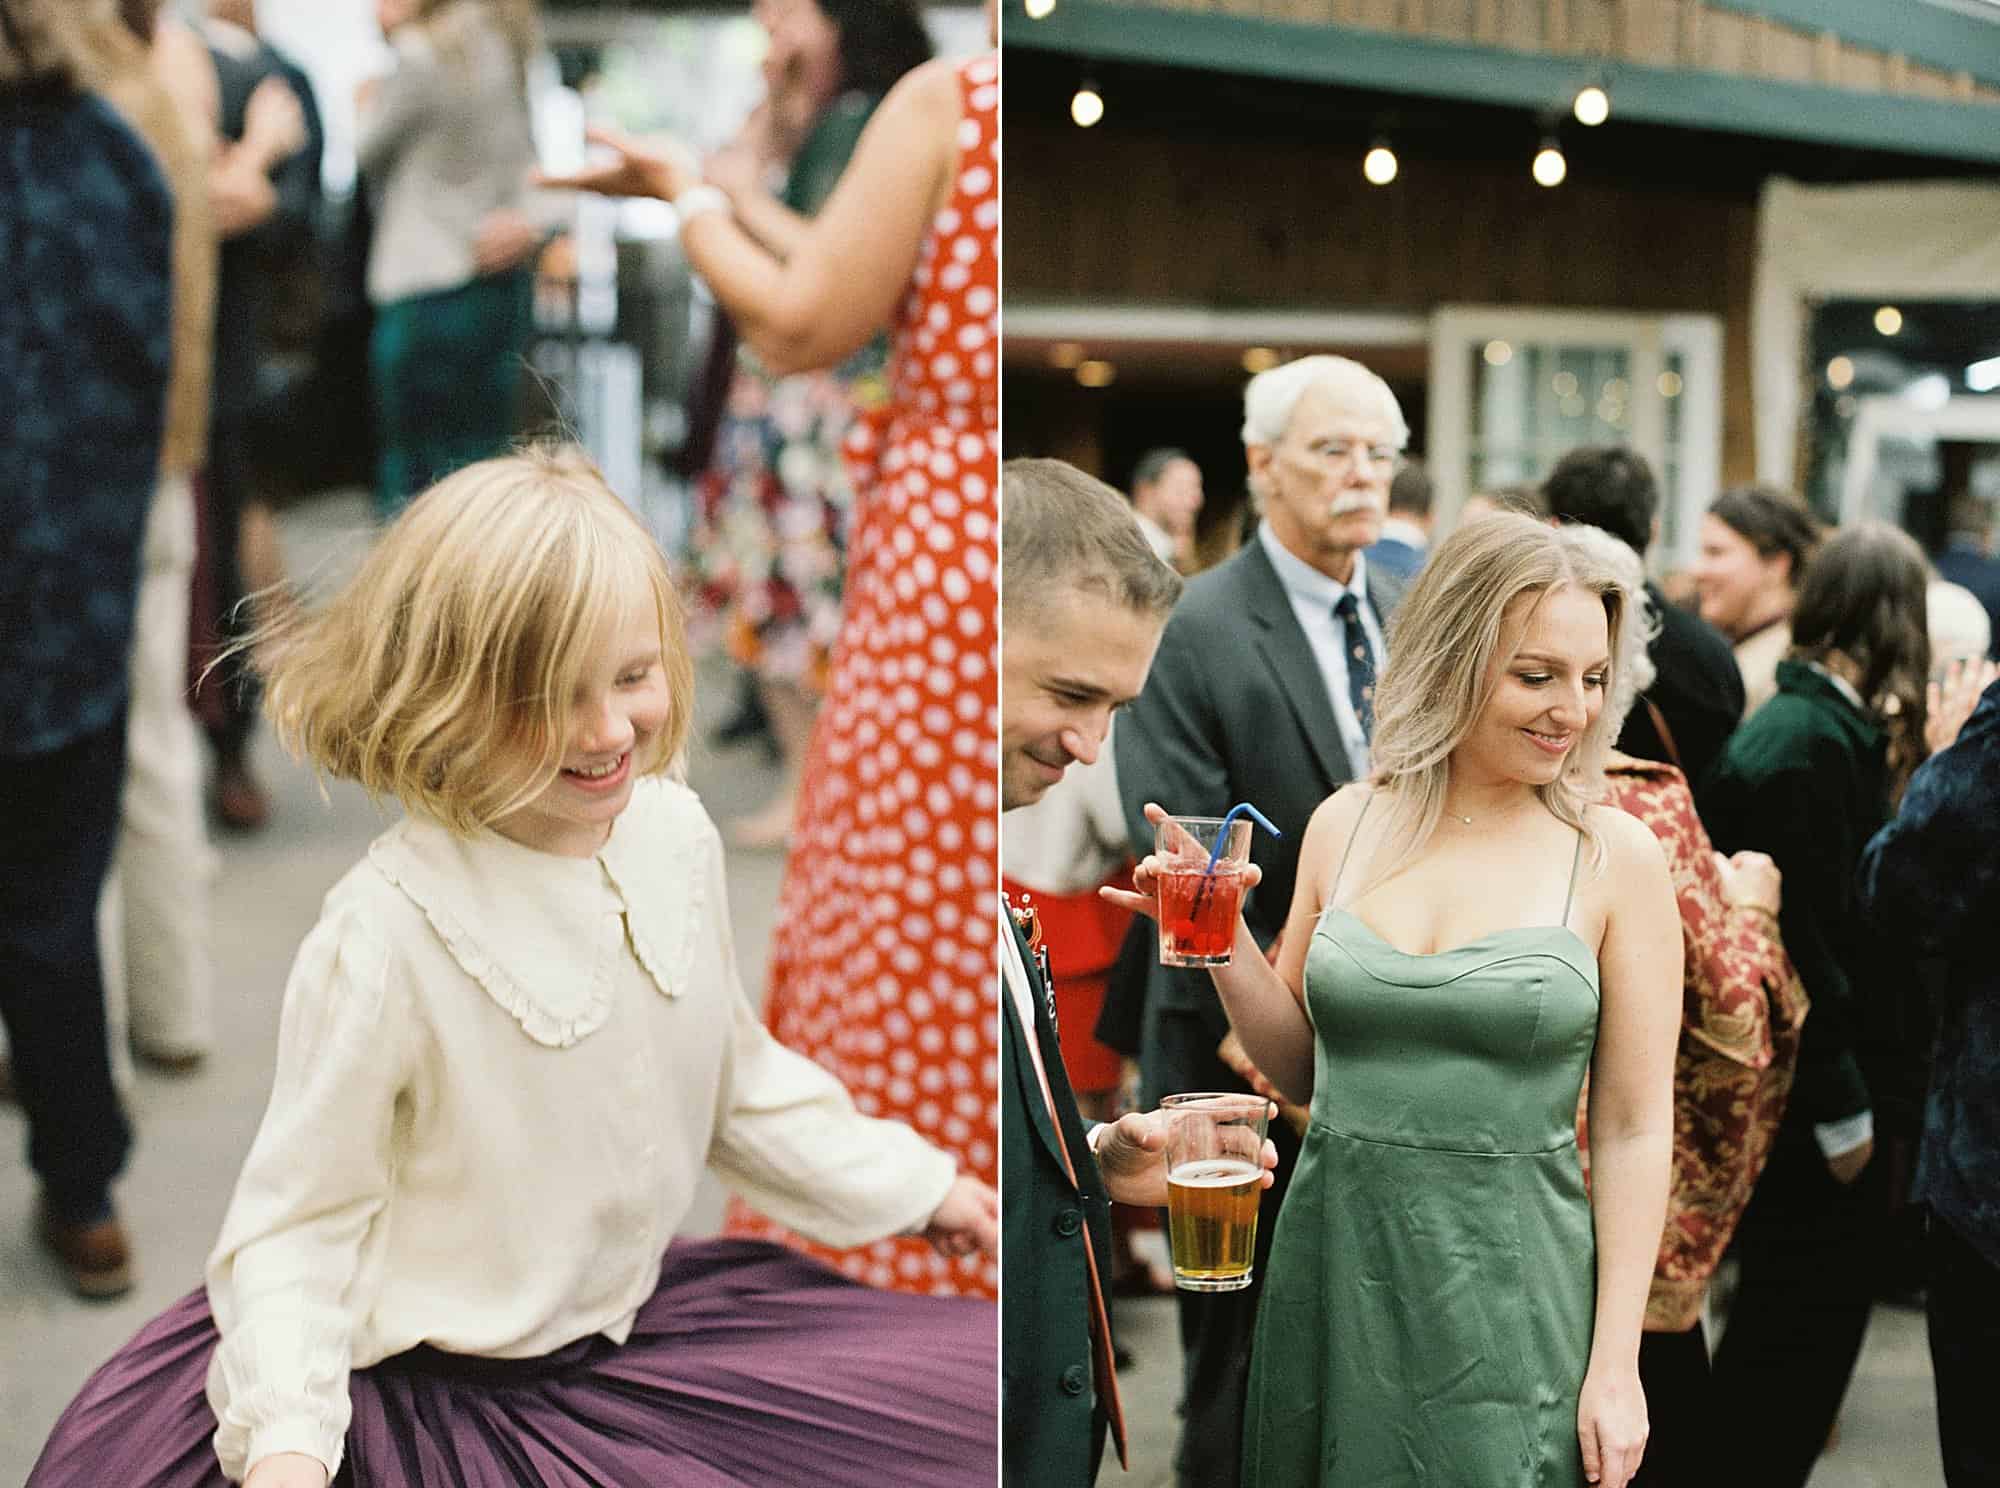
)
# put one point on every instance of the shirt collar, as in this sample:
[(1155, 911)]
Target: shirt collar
[(1402, 530), (1306, 584), (542, 934)]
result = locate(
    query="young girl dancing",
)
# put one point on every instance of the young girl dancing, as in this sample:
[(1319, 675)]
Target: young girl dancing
[(508, 1049)]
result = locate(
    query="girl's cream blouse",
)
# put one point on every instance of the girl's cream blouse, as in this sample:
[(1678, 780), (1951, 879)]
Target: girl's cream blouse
[(500, 1074)]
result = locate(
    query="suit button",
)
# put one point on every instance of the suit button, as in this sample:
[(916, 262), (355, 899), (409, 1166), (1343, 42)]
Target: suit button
[(1075, 1380), (1068, 1222)]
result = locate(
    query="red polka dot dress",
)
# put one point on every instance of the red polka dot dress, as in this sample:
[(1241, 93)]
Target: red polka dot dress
[(882, 963)]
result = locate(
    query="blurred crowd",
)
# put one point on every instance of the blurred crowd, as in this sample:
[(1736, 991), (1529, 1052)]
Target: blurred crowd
[(1787, 733)]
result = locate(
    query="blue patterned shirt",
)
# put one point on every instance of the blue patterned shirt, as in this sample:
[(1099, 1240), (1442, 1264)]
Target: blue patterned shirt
[(1931, 879), (85, 221)]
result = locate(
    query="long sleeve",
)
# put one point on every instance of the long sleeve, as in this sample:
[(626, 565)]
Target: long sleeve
[(789, 1140), (402, 105), (282, 1279), (1789, 815)]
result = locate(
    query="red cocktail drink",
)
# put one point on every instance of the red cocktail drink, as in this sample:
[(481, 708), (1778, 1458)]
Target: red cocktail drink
[(1198, 914)]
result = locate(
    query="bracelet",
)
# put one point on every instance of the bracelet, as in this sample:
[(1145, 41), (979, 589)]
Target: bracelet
[(696, 200)]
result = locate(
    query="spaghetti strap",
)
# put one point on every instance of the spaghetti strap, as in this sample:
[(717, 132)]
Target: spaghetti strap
[(1348, 851), (1574, 863)]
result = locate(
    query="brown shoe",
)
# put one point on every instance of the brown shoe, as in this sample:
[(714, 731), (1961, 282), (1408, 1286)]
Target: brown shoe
[(94, 1256), (239, 800)]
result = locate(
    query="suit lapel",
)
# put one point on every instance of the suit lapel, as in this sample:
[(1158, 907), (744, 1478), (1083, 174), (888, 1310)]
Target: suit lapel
[(1030, 1090), (1289, 655)]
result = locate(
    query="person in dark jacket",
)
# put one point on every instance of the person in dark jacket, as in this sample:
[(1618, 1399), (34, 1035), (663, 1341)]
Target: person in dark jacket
[(1696, 698), (1930, 880), (1808, 779), (83, 378), (1090, 598)]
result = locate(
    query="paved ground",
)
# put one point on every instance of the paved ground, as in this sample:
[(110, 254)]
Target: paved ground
[(1888, 1428), (192, 1132)]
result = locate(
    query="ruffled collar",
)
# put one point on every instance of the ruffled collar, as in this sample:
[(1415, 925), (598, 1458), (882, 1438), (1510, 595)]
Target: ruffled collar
[(542, 934)]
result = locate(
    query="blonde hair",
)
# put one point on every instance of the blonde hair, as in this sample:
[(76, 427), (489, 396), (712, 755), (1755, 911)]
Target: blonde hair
[(444, 673), (1632, 669), (1442, 641)]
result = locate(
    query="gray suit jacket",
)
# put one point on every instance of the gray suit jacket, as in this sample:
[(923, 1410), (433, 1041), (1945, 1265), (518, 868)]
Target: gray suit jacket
[(1236, 709)]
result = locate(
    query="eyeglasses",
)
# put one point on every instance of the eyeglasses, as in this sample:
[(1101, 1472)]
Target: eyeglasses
[(1344, 454)]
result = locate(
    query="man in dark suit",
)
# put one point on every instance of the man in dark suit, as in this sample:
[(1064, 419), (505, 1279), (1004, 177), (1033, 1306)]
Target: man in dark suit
[(1262, 691), (1696, 699), (1086, 600)]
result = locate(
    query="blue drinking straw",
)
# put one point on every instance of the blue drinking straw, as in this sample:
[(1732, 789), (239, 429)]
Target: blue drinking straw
[(1243, 808)]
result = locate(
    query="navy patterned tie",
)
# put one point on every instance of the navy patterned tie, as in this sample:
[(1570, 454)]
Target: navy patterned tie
[(1360, 663)]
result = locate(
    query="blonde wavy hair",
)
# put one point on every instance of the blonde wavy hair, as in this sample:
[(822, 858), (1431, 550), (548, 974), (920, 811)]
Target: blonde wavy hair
[(444, 673), (1443, 641)]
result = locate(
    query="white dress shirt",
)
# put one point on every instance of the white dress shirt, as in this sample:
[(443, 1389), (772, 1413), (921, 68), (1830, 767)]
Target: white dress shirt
[(1313, 596), (500, 1075)]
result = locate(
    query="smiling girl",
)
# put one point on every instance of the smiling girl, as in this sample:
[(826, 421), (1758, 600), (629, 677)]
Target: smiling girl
[(1469, 935), (509, 1049)]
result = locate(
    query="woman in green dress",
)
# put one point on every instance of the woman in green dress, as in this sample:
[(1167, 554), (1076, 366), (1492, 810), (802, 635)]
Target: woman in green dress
[(1445, 1302)]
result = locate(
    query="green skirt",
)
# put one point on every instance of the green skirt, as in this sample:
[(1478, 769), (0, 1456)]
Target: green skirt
[(447, 370)]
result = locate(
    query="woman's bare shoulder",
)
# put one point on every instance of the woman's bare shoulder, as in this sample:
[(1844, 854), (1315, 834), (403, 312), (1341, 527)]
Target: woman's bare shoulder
[(1633, 857)]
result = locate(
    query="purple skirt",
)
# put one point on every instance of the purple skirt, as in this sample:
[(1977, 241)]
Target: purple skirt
[(749, 1365)]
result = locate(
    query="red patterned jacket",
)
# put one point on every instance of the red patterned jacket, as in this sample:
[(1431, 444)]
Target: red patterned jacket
[(1742, 1006)]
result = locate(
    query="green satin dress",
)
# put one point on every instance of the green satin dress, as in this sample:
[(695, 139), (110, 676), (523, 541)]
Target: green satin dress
[(1428, 1306)]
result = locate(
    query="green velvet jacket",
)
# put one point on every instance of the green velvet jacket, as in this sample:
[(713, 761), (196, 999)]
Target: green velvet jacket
[(1805, 779)]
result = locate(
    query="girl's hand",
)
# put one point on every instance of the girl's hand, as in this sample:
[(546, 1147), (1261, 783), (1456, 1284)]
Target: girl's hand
[(968, 1220), (1143, 896), (287, 1470), (1951, 701), (1611, 1425)]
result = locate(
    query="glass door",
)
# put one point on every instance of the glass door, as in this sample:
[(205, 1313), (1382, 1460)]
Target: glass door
[(1512, 391)]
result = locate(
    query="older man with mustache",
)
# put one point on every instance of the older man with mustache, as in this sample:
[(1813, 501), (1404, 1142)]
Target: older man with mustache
[(1263, 690)]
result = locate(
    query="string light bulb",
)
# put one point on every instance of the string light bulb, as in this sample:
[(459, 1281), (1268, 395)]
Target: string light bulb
[(1379, 165), (1039, 9), (1592, 105), (1088, 105), (1550, 168)]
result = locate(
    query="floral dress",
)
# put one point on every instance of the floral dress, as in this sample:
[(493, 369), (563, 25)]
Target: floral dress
[(767, 550)]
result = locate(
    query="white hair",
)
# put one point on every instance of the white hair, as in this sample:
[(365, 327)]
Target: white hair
[(1632, 670), (1270, 397), (1959, 625)]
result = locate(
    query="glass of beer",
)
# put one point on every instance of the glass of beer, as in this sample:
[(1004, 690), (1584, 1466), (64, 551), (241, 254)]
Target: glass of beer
[(1199, 889), (1215, 1175)]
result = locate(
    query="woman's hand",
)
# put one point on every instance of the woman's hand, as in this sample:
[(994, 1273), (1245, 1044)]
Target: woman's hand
[(1143, 897), (287, 1470), (656, 168), (1611, 1425), (1751, 880), (1948, 703), (967, 1220)]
